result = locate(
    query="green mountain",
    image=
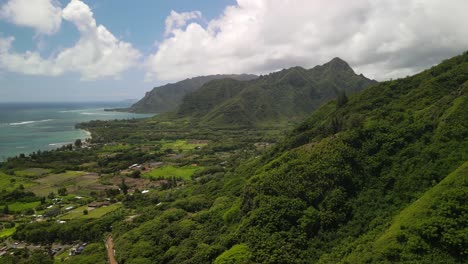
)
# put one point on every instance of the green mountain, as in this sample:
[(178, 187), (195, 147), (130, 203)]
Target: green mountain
[(279, 97), (378, 178), (168, 97)]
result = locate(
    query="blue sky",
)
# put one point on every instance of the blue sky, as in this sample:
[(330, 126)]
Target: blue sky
[(110, 50), (142, 25)]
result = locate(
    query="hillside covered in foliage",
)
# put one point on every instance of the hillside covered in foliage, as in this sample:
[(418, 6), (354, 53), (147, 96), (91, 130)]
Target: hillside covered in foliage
[(168, 97), (378, 178), (287, 95)]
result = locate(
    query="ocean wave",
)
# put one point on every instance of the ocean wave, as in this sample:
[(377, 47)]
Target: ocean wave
[(95, 113), (60, 143), (81, 110), (29, 122), (71, 111)]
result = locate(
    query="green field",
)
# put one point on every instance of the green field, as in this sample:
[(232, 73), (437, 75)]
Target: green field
[(180, 144), (7, 232), (72, 180), (95, 213), (115, 148), (9, 183), (171, 171), (19, 206), (32, 172)]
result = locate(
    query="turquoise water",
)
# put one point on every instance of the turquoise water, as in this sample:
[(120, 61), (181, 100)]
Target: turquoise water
[(28, 127)]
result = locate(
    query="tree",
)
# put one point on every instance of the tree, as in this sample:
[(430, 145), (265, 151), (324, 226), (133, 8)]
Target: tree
[(6, 210), (62, 191), (124, 187), (78, 143), (51, 195), (85, 212), (136, 174)]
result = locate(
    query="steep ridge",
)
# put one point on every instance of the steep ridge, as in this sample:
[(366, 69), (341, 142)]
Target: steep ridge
[(377, 178), (276, 98), (168, 97), (435, 218), (343, 174)]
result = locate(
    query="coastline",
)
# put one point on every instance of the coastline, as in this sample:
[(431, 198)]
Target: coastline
[(89, 135), (49, 126)]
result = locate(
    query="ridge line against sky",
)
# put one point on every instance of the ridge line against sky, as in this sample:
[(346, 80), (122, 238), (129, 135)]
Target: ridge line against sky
[(108, 49)]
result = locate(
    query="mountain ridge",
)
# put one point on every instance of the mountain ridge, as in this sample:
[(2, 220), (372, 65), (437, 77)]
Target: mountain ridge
[(167, 97), (289, 94)]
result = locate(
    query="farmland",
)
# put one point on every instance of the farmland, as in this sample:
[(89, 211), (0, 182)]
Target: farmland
[(164, 172), (78, 213)]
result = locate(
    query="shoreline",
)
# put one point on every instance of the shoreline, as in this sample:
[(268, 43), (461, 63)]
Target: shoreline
[(89, 135)]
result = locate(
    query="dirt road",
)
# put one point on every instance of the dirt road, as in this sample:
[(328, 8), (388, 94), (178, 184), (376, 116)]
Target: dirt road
[(110, 250)]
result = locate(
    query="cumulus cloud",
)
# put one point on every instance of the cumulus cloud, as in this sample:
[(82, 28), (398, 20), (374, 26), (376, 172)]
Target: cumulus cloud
[(97, 54), (45, 16), (28, 63), (380, 38), (177, 20)]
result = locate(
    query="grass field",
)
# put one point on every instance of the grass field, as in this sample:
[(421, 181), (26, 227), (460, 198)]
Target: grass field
[(180, 144), (115, 148), (95, 213), (19, 206), (9, 183), (32, 172), (7, 232), (170, 171), (76, 182)]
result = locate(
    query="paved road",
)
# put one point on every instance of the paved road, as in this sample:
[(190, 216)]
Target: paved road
[(110, 250)]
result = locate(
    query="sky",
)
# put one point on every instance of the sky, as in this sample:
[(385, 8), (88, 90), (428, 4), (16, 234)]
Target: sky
[(110, 50)]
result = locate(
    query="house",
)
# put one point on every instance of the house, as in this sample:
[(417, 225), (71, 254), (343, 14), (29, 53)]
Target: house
[(99, 204), (76, 250), (133, 166), (156, 164)]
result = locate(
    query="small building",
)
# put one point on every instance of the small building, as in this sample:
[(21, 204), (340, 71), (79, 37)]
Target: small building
[(99, 204), (133, 166)]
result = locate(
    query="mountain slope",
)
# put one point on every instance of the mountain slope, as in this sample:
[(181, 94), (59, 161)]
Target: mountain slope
[(168, 97), (360, 181), (276, 98), (430, 225), (349, 169)]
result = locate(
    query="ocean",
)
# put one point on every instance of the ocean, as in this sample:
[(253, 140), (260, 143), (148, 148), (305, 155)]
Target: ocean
[(28, 127)]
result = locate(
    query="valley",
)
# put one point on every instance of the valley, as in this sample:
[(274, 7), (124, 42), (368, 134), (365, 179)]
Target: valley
[(354, 172)]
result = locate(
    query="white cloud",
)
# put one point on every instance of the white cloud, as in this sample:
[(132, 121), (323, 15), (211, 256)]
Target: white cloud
[(177, 20), (380, 38), (45, 16), (28, 63), (97, 54)]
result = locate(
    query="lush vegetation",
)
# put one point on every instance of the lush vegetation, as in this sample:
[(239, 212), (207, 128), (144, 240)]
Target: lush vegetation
[(276, 99), (375, 177), (167, 97), (331, 189), (171, 171)]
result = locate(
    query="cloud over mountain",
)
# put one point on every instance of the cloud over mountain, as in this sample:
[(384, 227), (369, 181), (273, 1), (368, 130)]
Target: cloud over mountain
[(383, 39)]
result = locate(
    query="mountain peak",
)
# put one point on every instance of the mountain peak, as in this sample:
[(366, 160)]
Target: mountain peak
[(338, 64)]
